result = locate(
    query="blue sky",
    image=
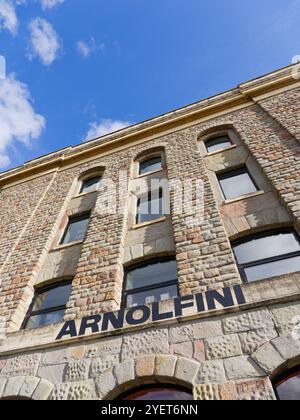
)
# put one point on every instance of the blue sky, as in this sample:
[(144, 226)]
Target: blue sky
[(83, 67)]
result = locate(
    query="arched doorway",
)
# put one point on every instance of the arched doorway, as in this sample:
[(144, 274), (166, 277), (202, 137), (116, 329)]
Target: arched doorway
[(287, 385), (155, 392)]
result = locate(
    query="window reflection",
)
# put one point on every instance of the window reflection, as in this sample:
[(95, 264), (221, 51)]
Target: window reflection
[(236, 183), (218, 143), (288, 387)]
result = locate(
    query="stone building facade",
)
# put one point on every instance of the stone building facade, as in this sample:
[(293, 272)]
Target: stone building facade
[(226, 336)]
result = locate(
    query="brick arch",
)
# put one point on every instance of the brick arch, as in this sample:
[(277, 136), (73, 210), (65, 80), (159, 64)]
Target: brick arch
[(276, 356), (144, 370), (25, 387)]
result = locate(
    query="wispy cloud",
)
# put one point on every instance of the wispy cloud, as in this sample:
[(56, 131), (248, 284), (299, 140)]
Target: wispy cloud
[(105, 126), (8, 16), (86, 49), (18, 120), (44, 41), (49, 4)]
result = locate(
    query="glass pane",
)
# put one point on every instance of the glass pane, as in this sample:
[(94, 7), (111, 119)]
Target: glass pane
[(290, 389), (150, 165), (157, 394), (218, 143), (236, 184), (154, 295), (272, 269), (266, 247), (150, 209), (90, 185), (44, 319), (158, 273), (53, 298), (76, 230)]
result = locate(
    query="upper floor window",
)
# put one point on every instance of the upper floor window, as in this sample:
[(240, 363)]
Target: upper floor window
[(218, 143), (158, 392), (151, 282), (268, 255), (236, 183), (150, 207), (76, 229), (150, 165), (287, 386), (90, 185), (48, 306)]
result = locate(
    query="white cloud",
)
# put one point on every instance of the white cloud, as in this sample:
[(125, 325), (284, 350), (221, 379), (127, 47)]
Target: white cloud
[(18, 120), (8, 17), (49, 4), (85, 49), (44, 42), (105, 126)]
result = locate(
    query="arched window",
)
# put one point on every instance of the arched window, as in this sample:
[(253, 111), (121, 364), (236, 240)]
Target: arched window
[(158, 393), (90, 184), (287, 386), (218, 143), (48, 305), (150, 282), (149, 165), (268, 255)]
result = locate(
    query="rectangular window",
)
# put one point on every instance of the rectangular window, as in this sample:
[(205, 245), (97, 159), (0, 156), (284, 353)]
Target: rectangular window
[(150, 207), (76, 229), (48, 306), (152, 282), (236, 183)]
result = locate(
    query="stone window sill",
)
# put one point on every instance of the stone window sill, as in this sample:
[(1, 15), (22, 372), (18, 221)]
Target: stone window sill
[(225, 149), (150, 173), (66, 246), (244, 197), (152, 222)]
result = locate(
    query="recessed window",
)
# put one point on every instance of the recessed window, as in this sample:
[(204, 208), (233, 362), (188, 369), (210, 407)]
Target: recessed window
[(287, 387), (150, 165), (48, 306), (236, 183), (158, 393), (150, 207), (218, 143), (152, 282), (90, 185), (268, 255), (76, 229)]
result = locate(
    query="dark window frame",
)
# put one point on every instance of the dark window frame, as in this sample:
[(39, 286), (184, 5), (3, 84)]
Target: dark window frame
[(126, 292), (83, 181), (158, 386), (38, 292), (149, 195), (233, 172), (149, 158), (284, 377), (215, 138), (76, 218), (242, 267)]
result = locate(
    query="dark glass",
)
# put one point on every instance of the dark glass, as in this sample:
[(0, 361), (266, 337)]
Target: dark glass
[(76, 229), (150, 296), (218, 143), (151, 274), (236, 183), (150, 208), (273, 269), (159, 394), (52, 298), (150, 165), (289, 388), (268, 246), (90, 185), (49, 318)]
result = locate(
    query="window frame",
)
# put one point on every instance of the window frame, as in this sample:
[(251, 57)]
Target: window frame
[(126, 293), (284, 377), (83, 216), (236, 171), (149, 195), (148, 158), (157, 386), (38, 292), (216, 137), (86, 179), (242, 267)]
